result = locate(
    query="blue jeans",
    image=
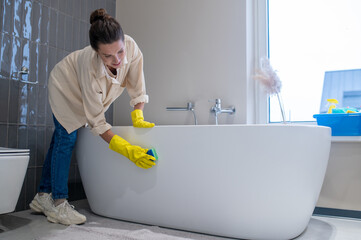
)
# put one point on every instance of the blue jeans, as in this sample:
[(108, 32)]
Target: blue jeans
[(54, 178)]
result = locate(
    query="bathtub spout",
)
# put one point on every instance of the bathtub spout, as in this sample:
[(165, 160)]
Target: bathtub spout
[(190, 107)]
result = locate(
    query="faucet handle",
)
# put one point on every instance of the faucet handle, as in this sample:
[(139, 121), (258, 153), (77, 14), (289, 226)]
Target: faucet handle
[(217, 102)]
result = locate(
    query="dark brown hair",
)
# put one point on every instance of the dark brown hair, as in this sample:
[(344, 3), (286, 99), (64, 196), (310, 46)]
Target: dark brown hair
[(104, 29)]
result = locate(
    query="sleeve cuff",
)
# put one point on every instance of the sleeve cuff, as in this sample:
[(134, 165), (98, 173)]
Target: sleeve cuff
[(101, 129), (135, 101)]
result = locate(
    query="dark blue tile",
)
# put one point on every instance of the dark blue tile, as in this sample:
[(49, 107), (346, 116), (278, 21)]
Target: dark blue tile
[(42, 99), (30, 185), (44, 24), (90, 8), (52, 60), (63, 6), (70, 7), (6, 54), (76, 35), (18, 18), (60, 54), (32, 145), (26, 57), (22, 139), (84, 34), (60, 31), (2, 14), (16, 61), (84, 11), (38, 177), (21, 204), (53, 27), (48, 135), (3, 135), (68, 36), (49, 115), (37, 34), (33, 93), (43, 64), (12, 141), (26, 21), (55, 4), (23, 104), (34, 62), (77, 8), (40, 146), (36, 22), (4, 100), (47, 3), (102, 4), (14, 102), (8, 16)]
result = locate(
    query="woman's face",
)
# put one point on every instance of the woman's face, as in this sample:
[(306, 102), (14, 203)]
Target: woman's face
[(112, 54)]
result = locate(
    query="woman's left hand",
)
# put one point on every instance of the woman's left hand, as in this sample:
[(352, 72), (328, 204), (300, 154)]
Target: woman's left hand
[(138, 120)]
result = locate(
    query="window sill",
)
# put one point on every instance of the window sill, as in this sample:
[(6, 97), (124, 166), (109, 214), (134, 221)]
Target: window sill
[(342, 139), (346, 139)]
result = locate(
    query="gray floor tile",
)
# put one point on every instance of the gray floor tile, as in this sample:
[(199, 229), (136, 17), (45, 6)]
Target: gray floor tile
[(26, 225)]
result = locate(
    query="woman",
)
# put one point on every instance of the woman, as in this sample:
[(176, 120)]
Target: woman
[(81, 88)]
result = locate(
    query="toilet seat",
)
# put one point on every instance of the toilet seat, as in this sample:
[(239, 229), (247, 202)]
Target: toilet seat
[(13, 152)]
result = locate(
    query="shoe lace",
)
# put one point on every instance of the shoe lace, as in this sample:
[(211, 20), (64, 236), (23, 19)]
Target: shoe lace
[(47, 199), (68, 208), (50, 198)]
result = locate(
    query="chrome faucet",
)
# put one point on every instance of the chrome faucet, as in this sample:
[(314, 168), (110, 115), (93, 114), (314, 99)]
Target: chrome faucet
[(217, 109), (190, 107)]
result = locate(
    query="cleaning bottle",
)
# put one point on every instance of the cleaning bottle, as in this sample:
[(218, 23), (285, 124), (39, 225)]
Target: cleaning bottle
[(332, 104)]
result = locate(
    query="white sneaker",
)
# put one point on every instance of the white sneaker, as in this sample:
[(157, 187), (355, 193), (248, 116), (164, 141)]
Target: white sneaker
[(42, 203), (65, 214)]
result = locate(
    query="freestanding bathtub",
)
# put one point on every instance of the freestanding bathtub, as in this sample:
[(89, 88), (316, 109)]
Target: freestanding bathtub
[(242, 181)]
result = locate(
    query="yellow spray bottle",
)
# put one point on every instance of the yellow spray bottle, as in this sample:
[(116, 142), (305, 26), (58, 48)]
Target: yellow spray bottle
[(332, 103)]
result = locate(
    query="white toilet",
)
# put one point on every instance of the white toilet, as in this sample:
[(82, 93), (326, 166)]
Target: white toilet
[(13, 165)]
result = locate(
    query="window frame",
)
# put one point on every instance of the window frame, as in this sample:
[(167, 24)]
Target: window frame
[(261, 49), (261, 36)]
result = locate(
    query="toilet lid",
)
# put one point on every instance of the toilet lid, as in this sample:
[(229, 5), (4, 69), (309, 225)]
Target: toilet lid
[(13, 151)]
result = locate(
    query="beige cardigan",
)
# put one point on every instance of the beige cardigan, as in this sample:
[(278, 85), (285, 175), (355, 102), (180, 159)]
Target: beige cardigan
[(81, 89)]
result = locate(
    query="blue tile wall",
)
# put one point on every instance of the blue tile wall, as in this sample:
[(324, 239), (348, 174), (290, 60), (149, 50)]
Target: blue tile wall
[(37, 34)]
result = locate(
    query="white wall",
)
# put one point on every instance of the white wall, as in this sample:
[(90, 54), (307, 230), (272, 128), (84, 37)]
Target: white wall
[(197, 50), (194, 50)]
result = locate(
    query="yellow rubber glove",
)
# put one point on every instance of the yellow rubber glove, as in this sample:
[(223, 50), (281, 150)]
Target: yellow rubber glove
[(138, 120), (134, 153)]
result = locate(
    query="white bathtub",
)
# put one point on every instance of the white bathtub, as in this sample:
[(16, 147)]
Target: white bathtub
[(242, 181)]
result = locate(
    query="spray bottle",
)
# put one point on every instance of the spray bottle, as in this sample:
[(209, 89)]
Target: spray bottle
[(332, 104)]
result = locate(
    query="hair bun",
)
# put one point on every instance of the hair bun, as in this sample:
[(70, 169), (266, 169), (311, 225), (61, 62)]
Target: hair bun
[(99, 14)]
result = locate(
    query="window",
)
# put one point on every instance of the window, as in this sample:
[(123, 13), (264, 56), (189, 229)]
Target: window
[(311, 42)]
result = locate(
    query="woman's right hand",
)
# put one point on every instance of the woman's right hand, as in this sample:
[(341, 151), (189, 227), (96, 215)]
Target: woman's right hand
[(134, 153)]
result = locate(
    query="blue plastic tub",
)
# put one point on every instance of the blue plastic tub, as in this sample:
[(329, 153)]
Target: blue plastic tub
[(341, 124)]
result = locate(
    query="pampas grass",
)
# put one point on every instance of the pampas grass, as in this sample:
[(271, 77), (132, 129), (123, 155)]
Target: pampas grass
[(271, 82)]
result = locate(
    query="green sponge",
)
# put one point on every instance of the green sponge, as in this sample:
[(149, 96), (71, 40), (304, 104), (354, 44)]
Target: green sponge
[(153, 153)]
